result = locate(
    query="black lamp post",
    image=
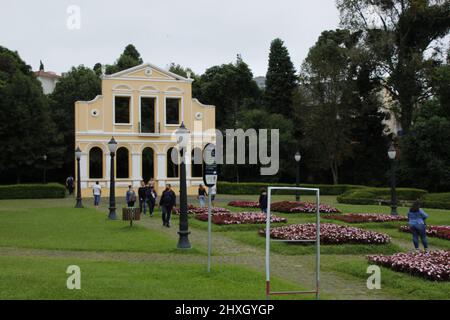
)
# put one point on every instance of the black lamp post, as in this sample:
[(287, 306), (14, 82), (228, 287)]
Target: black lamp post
[(112, 145), (44, 157), (392, 153), (182, 135), (297, 158), (79, 203)]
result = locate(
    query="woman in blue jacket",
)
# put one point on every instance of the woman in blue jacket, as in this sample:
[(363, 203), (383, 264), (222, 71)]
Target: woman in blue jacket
[(417, 218)]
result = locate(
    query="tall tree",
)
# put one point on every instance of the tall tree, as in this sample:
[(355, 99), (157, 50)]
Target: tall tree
[(41, 66), (27, 131), (80, 83), (400, 32), (281, 80), (340, 104)]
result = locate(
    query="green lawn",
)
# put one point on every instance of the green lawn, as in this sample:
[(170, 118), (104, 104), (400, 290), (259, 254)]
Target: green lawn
[(44, 278), (40, 238)]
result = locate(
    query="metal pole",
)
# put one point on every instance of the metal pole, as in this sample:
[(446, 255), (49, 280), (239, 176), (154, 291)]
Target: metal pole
[(112, 192), (209, 230), (79, 203), (269, 196), (393, 190), (183, 241), (318, 245), (297, 184)]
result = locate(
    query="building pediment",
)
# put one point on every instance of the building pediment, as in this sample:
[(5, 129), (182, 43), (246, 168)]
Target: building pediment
[(147, 71)]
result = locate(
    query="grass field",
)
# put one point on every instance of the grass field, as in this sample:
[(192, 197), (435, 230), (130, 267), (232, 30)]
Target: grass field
[(40, 238)]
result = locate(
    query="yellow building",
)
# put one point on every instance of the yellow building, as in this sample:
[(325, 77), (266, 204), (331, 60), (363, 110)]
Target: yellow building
[(141, 108)]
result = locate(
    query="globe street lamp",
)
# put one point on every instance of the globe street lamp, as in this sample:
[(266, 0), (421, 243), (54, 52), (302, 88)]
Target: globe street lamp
[(112, 145), (297, 158), (44, 157), (182, 135), (79, 203), (392, 154)]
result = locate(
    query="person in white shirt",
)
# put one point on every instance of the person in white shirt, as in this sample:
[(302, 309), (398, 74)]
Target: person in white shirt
[(97, 191), (213, 192)]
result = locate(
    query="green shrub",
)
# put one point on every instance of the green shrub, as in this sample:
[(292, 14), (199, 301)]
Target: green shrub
[(253, 188), (374, 195), (32, 191)]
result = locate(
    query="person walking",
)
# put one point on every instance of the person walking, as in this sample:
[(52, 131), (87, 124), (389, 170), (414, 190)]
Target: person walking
[(202, 194), (150, 198), (213, 192), (69, 184), (141, 194), (263, 200), (167, 202), (417, 225), (97, 192), (130, 197)]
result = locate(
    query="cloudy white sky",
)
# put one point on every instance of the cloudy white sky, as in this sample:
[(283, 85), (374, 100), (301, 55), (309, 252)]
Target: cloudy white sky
[(194, 33)]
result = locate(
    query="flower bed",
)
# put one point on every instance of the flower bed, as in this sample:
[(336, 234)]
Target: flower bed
[(329, 234), (239, 218), (442, 232), (430, 265), (366, 217), (301, 207), (197, 210), (244, 204)]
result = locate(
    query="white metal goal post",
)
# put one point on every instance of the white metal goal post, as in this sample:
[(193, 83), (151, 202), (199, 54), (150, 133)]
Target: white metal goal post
[(269, 240)]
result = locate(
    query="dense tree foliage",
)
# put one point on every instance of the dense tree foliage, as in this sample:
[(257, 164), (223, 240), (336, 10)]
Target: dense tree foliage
[(425, 150), (231, 88), (79, 84), (27, 131)]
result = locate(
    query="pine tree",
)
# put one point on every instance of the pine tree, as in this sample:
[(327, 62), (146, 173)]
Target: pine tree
[(280, 80), (41, 66)]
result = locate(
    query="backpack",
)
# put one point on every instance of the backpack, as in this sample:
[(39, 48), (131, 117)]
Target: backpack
[(133, 197)]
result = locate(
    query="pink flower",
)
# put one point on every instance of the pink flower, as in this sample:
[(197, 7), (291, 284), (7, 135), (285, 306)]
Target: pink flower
[(434, 265)]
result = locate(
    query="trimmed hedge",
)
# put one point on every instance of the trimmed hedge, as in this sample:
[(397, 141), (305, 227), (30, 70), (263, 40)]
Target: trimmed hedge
[(436, 200), (254, 188), (374, 195), (32, 191)]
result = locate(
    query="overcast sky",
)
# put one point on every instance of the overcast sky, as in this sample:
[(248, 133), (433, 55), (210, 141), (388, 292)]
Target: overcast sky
[(194, 33)]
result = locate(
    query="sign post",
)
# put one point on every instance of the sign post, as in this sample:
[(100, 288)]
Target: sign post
[(210, 179)]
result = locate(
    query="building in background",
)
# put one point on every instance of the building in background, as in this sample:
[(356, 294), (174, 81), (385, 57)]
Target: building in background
[(48, 79), (141, 108)]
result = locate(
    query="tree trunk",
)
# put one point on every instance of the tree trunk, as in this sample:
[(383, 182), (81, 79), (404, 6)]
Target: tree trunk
[(334, 172)]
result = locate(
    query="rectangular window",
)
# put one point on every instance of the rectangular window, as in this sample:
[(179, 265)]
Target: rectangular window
[(122, 110), (173, 110), (148, 115)]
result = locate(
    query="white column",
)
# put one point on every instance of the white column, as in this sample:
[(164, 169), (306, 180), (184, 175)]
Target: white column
[(83, 170), (162, 171), (188, 160), (108, 167), (136, 163)]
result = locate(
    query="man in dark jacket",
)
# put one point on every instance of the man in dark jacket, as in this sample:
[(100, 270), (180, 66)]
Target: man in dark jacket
[(263, 200), (167, 202), (150, 198), (141, 193)]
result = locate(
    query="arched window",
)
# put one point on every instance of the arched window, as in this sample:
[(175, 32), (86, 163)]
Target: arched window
[(123, 171), (197, 163), (148, 164), (95, 163), (172, 168)]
